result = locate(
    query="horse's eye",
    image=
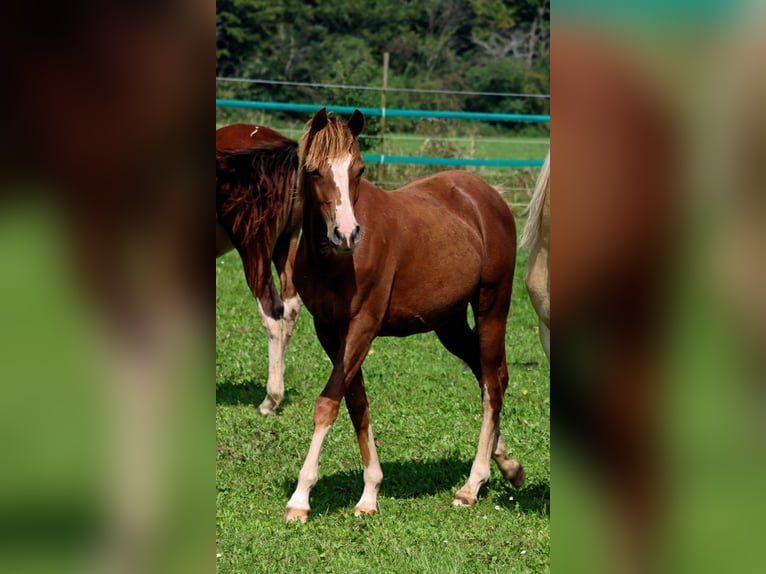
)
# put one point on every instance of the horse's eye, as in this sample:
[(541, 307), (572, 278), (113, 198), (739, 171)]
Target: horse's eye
[(314, 173), (361, 172)]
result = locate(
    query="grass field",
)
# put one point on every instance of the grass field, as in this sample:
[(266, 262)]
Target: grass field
[(426, 413)]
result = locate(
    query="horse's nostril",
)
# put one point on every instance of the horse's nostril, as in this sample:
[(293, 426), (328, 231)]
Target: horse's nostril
[(356, 233), (338, 238)]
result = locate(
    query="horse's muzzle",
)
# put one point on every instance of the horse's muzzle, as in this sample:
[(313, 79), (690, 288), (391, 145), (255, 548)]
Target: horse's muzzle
[(343, 244)]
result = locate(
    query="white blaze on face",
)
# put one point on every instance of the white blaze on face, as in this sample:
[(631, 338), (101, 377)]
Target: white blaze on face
[(344, 212)]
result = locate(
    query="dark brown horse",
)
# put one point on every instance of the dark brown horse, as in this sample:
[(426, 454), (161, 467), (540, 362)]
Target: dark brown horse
[(375, 263), (259, 214)]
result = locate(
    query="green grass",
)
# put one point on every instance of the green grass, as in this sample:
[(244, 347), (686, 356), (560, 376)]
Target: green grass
[(425, 412), (469, 146)]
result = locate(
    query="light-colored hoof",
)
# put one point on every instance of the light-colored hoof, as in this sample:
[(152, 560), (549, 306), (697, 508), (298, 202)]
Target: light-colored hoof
[(268, 407), (364, 509), (463, 500), (292, 514)]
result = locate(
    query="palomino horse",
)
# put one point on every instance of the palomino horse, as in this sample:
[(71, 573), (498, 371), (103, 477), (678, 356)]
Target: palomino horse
[(259, 214), (375, 263), (536, 236)]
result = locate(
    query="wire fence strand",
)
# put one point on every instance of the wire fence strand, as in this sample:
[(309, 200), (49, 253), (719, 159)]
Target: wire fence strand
[(380, 88)]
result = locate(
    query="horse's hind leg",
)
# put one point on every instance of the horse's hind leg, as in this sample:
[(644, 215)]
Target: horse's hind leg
[(280, 331), (537, 280), (284, 259), (462, 341), (275, 386), (511, 469), (258, 272), (493, 380), (545, 338)]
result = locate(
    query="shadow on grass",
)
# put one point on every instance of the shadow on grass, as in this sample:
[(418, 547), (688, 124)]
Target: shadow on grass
[(416, 479), (248, 393), (533, 498)]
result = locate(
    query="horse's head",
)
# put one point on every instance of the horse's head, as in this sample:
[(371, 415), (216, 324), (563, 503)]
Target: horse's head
[(330, 171)]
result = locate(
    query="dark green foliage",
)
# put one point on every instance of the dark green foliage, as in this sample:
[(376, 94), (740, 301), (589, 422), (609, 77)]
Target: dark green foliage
[(465, 45)]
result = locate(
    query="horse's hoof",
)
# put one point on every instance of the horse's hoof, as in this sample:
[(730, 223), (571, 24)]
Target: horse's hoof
[(520, 477), (463, 500), (292, 514), (364, 509), (267, 409)]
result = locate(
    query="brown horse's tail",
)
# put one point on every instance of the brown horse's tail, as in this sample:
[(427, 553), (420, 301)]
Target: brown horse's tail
[(254, 188), (255, 194), (534, 210)]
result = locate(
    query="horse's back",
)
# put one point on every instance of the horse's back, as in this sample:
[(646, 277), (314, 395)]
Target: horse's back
[(244, 136), (461, 190), (464, 200)]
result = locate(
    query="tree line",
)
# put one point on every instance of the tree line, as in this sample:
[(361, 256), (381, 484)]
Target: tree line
[(459, 45)]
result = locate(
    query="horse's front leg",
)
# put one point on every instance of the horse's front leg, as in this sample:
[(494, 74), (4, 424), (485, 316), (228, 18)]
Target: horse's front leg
[(347, 354)]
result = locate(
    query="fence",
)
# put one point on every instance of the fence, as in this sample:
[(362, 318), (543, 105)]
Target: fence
[(407, 113)]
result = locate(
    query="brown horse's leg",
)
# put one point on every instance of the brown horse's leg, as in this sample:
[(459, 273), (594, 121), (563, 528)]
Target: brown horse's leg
[(358, 410), (347, 356), (275, 386), (511, 469), (493, 382), (258, 277), (279, 331), (462, 341), (284, 259)]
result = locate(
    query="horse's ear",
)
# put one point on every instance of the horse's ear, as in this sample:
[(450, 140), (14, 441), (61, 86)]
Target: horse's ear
[(356, 123), (319, 120)]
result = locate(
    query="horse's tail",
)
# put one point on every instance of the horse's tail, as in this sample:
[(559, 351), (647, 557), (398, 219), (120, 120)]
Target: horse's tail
[(534, 210), (253, 187)]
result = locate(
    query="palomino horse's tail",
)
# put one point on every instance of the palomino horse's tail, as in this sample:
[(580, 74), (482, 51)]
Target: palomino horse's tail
[(534, 210)]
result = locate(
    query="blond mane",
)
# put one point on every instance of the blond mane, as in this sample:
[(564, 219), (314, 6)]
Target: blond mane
[(332, 141), (534, 210)]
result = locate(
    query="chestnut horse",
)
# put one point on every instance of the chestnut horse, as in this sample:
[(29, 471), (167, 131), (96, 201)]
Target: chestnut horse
[(259, 214), (536, 236), (374, 263)]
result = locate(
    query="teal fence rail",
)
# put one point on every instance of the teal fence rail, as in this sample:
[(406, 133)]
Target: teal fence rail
[(457, 161), (407, 113)]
